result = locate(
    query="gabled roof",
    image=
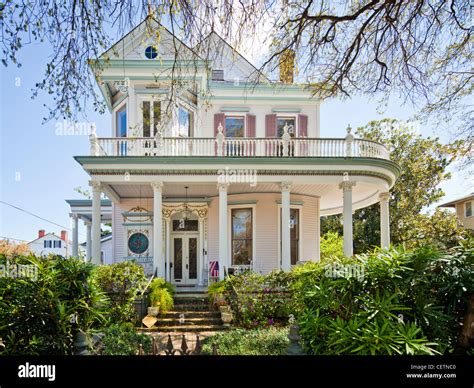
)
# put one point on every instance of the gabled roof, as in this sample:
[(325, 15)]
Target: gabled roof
[(454, 201), (48, 234)]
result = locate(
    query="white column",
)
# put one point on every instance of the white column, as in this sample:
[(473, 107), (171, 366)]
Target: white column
[(75, 235), (347, 217), (201, 249), (158, 260), (317, 254), (384, 220), (88, 241), (168, 250), (95, 222), (285, 227), (224, 260)]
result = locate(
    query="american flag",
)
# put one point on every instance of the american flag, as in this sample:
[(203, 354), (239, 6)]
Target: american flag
[(214, 268)]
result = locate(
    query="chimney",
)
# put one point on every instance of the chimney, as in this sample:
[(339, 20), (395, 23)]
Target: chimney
[(287, 66), (64, 235), (41, 233)]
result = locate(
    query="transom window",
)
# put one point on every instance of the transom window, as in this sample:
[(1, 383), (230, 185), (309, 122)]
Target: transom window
[(290, 121), (183, 225), (151, 52), (468, 209), (294, 235), (235, 126), (242, 232)]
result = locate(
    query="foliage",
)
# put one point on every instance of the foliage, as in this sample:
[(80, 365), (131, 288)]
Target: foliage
[(43, 314), (258, 301), (423, 163), (331, 245), (123, 340), (161, 295), (271, 341), (121, 282), (216, 292), (406, 302), (9, 249)]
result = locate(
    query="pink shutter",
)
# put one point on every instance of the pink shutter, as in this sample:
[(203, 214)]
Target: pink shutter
[(270, 125), (219, 118), (251, 129), (302, 126), (303, 132)]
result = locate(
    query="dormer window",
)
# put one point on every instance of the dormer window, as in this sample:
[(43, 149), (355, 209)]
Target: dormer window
[(151, 52)]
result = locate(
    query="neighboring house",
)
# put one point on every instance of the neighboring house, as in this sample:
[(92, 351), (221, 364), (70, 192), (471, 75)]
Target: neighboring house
[(237, 172), (49, 243), (464, 210), (106, 245)]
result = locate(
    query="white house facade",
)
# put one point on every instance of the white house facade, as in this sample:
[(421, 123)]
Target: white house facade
[(229, 167), (50, 244)]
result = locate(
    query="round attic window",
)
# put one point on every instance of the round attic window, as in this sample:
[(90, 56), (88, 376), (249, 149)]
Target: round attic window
[(151, 52)]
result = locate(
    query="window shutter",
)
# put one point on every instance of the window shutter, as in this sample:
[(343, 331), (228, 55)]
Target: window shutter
[(219, 118), (251, 125), (302, 126), (270, 125)]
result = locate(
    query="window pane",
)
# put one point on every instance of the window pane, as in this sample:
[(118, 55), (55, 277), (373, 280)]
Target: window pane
[(242, 236), (122, 122), (468, 209), (192, 247), (156, 115), (294, 235), (234, 126), (178, 258), (185, 225), (290, 121), (184, 122), (146, 119)]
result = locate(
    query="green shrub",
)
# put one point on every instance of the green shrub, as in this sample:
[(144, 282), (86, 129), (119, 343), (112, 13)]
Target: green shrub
[(43, 315), (216, 292), (161, 295), (270, 341), (121, 282), (331, 245), (123, 340)]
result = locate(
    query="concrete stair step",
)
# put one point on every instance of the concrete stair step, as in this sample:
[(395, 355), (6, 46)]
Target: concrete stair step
[(190, 307), (204, 301), (183, 329), (188, 322), (192, 314)]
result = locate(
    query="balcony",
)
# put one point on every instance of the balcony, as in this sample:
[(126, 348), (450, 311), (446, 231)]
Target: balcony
[(242, 147)]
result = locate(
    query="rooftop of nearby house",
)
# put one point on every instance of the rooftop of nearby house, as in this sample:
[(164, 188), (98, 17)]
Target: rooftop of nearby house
[(458, 200), (51, 235)]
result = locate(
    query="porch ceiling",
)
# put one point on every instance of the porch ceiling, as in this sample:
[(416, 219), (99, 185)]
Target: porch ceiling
[(330, 195)]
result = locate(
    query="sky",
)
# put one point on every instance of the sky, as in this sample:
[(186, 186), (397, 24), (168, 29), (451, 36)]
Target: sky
[(38, 171)]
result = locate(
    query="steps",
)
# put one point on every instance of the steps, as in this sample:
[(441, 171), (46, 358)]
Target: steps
[(191, 313)]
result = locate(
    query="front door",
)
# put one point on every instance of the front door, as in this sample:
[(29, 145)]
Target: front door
[(184, 258)]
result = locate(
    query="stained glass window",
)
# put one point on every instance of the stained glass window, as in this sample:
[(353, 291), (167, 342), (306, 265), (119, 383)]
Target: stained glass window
[(138, 243)]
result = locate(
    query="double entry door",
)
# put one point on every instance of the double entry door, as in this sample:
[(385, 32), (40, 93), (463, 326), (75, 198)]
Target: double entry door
[(184, 269)]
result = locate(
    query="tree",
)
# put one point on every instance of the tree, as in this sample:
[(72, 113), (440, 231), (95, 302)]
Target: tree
[(423, 163), (421, 50)]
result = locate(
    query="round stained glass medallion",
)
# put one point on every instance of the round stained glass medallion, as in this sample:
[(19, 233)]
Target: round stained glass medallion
[(138, 243), (151, 52)]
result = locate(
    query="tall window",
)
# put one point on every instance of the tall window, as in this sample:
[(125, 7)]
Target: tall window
[(290, 122), (468, 209), (235, 126), (121, 119), (242, 232), (184, 122), (294, 235), (151, 116)]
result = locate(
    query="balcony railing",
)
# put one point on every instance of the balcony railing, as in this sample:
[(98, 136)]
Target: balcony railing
[(232, 147)]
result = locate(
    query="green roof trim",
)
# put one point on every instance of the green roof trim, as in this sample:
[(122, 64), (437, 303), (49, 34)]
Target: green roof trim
[(88, 202)]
